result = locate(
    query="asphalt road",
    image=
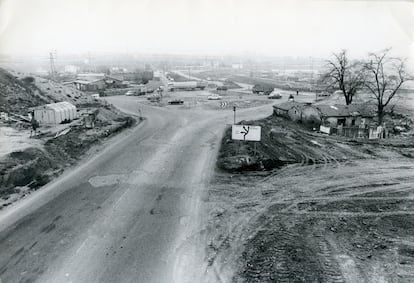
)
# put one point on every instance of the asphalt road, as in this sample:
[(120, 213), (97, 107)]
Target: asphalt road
[(132, 213)]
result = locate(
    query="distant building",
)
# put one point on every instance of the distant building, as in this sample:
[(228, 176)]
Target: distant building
[(90, 85), (55, 113), (135, 77), (113, 82), (157, 76), (237, 66), (71, 69), (90, 76), (262, 89), (96, 82)]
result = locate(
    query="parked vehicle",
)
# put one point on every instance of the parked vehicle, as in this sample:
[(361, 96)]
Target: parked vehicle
[(324, 94), (190, 85), (214, 97), (154, 98), (262, 89), (139, 90), (176, 102), (274, 95), (222, 88)]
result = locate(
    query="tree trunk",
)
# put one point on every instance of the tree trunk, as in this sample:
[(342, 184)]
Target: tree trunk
[(380, 114), (348, 99)]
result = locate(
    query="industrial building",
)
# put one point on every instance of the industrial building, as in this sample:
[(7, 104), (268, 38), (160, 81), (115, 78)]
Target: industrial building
[(95, 85), (55, 113)]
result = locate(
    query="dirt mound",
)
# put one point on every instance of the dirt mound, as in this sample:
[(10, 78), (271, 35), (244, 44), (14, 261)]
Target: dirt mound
[(32, 168), (17, 95), (55, 91), (285, 142)]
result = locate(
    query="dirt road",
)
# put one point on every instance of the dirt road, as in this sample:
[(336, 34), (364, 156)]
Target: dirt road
[(133, 213)]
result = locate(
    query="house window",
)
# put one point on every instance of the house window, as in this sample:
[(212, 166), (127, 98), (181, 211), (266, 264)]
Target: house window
[(341, 121), (353, 122)]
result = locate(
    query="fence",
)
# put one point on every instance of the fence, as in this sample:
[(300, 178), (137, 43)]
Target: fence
[(367, 132)]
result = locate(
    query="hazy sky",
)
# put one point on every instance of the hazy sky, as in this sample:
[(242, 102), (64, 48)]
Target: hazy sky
[(260, 27)]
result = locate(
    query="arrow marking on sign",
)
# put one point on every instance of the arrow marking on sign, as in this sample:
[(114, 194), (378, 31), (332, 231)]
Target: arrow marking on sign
[(246, 131)]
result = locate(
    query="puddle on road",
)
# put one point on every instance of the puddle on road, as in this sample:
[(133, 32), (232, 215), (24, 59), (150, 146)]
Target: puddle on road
[(131, 178), (108, 180)]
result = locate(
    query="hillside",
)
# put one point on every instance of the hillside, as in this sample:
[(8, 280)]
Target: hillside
[(18, 92), (17, 95)]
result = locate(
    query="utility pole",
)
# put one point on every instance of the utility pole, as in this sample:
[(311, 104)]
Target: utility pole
[(234, 111), (92, 66), (52, 66)]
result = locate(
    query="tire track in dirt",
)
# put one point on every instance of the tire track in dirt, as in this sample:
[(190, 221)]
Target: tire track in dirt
[(376, 189)]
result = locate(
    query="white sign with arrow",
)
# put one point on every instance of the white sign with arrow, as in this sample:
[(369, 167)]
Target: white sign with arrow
[(246, 133)]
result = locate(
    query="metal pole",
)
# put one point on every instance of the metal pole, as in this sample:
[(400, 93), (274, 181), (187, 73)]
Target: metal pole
[(234, 111), (255, 148)]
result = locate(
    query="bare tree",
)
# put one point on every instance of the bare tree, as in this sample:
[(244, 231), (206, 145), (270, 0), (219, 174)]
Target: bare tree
[(344, 75), (384, 76)]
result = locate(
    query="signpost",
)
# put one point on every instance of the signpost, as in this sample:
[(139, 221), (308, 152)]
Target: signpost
[(247, 133)]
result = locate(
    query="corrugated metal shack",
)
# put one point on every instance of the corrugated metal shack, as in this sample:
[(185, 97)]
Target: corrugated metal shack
[(55, 113)]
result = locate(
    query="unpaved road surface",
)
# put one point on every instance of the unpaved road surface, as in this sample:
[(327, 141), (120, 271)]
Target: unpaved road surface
[(133, 213), (333, 222)]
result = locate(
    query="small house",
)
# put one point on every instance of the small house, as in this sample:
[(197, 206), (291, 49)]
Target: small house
[(298, 112), (90, 85), (282, 109), (345, 115)]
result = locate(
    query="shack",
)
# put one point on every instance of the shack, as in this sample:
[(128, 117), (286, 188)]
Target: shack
[(55, 113), (298, 112), (346, 115), (326, 115), (90, 85)]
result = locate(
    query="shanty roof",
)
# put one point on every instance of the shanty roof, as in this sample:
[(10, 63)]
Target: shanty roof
[(115, 77), (336, 110), (93, 76), (289, 105), (89, 77), (87, 82), (339, 110), (58, 106)]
